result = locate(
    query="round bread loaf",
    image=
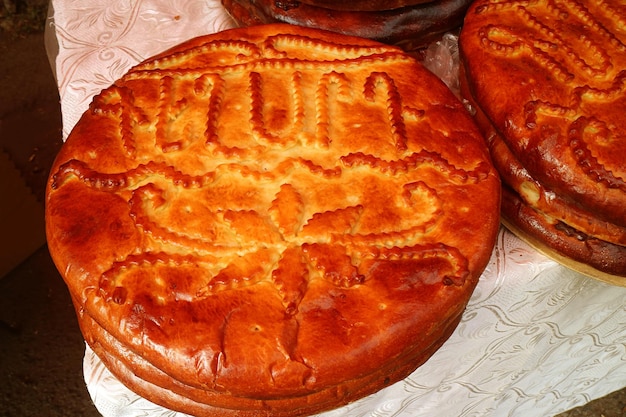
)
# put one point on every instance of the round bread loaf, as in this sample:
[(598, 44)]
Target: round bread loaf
[(549, 223), (552, 104), (271, 220), (410, 27), (557, 96)]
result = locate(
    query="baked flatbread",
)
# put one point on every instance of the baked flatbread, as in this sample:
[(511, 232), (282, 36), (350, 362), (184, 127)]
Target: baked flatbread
[(271, 220), (550, 80)]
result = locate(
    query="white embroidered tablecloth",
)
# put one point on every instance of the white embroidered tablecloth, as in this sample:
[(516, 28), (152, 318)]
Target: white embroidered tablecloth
[(536, 339)]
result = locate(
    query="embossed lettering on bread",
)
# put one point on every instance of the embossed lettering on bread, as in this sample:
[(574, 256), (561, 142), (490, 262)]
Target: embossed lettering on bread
[(549, 79), (271, 221)]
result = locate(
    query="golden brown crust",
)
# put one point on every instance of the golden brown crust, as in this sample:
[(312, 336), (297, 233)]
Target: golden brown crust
[(551, 204), (272, 213), (532, 192), (411, 27), (557, 95), (150, 382)]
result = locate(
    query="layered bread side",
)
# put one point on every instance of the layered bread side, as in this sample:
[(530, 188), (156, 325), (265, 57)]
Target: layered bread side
[(271, 220), (547, 82)]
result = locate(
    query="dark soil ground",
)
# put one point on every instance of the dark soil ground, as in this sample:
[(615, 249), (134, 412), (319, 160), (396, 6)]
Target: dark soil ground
[(40, 345)]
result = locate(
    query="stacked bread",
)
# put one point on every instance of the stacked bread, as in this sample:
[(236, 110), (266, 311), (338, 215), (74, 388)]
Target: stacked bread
[(411, 24), (548, 82), (271, 221)]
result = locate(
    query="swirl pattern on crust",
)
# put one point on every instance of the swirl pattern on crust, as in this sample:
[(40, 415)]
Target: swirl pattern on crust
[(549, 80), (560, 96), (275, 216)]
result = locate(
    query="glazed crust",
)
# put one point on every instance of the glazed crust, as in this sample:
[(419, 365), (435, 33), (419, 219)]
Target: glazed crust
[(559, 229), (557, 95), (411, 27), (275, 214), (531, 191), (151, 382), (554, 223)]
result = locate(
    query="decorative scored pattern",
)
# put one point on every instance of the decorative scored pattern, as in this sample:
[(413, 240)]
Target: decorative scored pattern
[(282, 221), (282, 189), (582, 45)]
